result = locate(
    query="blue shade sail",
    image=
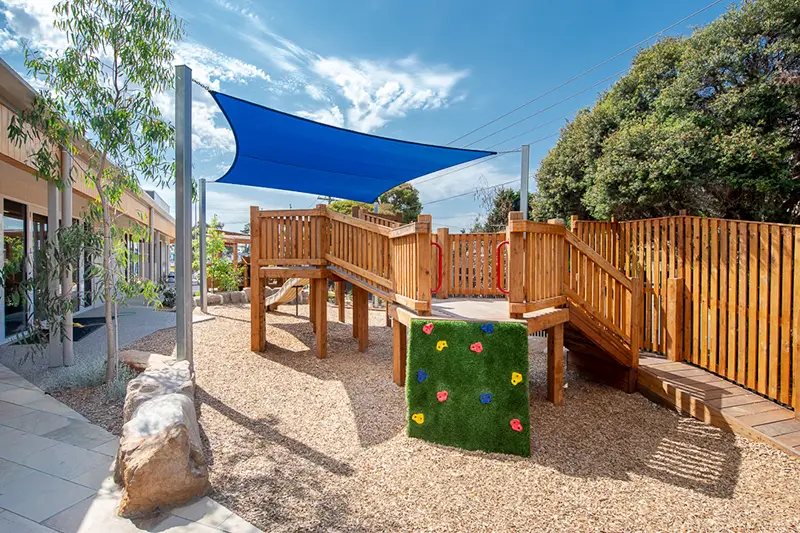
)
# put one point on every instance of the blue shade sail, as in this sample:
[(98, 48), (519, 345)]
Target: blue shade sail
[(276, 150)]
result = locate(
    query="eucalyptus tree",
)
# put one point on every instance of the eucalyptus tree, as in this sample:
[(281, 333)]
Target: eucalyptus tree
[(100, 104)]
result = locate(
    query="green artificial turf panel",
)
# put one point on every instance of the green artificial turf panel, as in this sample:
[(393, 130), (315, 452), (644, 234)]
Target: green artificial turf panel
[(462, 420)]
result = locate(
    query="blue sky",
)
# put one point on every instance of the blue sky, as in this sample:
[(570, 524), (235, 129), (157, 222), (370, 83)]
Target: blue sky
[(423, 71)]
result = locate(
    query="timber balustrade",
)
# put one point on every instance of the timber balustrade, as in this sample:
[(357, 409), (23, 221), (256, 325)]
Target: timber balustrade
[(389, 262), (721, 294)]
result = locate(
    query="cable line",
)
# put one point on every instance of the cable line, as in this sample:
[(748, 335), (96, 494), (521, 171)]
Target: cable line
[(551, 106), (584, 73), (471, 192)]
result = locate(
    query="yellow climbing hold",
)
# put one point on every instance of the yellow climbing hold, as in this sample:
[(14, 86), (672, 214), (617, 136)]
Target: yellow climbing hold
[(419, 418), (441, 345), (516, 378)]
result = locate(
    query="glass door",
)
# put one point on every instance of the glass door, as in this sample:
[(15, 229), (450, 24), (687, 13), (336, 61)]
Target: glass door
[(14, 245), (39, 243)]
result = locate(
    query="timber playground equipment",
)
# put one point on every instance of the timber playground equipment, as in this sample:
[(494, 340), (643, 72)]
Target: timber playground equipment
[(712, 304), (537, 274)]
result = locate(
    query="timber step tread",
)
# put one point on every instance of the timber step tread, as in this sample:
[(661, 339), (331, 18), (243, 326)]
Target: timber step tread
[(582, 329), (719, 402)]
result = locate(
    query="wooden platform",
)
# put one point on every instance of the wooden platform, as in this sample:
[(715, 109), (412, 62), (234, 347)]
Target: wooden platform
[(719, 402)]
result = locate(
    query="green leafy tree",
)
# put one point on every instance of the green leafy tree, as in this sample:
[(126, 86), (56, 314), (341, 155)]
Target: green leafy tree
[(101, 88), (403, 200), (708, 123), (224, 274)]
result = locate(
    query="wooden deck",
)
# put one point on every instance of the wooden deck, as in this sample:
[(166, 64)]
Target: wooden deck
[(719, 402)]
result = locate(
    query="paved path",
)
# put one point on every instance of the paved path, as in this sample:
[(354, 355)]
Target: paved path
[(55, 473)]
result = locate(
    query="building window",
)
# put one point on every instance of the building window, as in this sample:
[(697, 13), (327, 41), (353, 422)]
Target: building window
[(15, 228)]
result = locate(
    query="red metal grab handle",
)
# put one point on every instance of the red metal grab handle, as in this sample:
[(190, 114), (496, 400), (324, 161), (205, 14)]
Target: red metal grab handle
[(441, 256), (497, 267)]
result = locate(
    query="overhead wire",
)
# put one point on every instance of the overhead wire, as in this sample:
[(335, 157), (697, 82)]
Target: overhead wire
[(551, 106), (588, 71)]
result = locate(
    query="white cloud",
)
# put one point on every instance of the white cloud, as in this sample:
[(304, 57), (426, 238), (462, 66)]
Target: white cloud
[(315, 92), (379, 92), (211, 67), (32, 21), (332, 116), (375, 92)]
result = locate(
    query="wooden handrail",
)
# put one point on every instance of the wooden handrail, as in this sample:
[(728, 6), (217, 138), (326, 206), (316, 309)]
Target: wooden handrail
[(599, 260)]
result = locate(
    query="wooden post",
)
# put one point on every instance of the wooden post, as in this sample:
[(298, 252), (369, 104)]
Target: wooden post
[(573, 220), (356, 309), (424, 263), (388, 321), (312, 305), (399, 348), (361, 318), (235, 253), (340, 299), (675, 319), (555, 364), (516, 264), (356, 212), (257, 314), (320, 288), (443, 238), (682, 212), (637, 301)]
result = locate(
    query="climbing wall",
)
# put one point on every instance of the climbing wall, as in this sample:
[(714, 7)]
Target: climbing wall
[(467, 385)]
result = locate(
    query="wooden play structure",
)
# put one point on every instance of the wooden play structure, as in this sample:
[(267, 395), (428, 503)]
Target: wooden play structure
[(719, 300), (553, 279)]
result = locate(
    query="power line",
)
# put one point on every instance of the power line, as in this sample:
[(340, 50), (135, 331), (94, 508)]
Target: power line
[(539, 112), (540, 126), (471, 192), (584, 73)]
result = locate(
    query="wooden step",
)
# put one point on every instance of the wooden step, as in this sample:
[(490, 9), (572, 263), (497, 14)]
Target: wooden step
[(603, 339)]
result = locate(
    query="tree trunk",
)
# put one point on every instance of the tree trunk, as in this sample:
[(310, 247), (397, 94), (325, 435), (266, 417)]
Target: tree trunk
[(111, 365), (108, 276)]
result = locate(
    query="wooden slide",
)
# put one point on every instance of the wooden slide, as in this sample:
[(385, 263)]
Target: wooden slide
[(286, 293)]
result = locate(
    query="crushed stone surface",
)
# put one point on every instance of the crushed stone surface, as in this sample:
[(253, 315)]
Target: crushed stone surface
[(302, 444)]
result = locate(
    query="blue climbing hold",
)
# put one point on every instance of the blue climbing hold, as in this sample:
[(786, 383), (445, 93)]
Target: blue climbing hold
[(488, 327), (421, 375), (486, 398)]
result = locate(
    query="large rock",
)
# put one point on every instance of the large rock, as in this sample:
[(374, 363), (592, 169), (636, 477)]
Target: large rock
[(164, 376), (160, 462), (139, 360), (246, 292)]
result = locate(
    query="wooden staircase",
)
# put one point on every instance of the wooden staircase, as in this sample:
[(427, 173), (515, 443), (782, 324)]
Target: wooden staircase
[(604, 331)]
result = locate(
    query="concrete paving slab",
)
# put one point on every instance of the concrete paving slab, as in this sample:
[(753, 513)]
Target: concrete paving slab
[(38, 496), (14, 523), (81, 434), (38, 422), (65, 461)]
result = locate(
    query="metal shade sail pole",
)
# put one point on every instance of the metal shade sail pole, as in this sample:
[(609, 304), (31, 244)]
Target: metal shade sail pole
[(523, 180), (183, 212), (203, 260)]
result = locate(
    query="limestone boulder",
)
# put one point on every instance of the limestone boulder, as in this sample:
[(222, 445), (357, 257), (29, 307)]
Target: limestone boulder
[(163, 376), (160, 463), (140, 360), (214, 299), (246, 292)]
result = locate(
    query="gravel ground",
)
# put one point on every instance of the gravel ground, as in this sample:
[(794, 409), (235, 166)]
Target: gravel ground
[(93, 403), (299, 444)]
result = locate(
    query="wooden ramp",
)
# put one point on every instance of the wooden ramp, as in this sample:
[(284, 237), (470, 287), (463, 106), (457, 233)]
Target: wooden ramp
[(719, 402)]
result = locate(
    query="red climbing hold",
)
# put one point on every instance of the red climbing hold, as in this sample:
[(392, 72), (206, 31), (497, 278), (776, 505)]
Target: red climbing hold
[(428, 328), (516, 425), (441, 395), (476, 347)]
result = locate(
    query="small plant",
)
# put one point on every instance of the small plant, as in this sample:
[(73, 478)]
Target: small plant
[(168, 297)]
